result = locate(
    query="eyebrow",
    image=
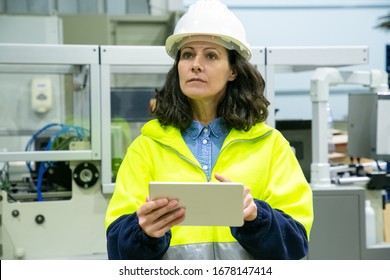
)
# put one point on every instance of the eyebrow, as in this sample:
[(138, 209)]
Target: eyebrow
[(205, 49)]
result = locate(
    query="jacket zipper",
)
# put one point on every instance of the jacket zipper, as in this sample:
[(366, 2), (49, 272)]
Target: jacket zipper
[(186, 159)]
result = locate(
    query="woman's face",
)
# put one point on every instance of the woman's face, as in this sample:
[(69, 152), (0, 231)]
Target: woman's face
[(204, 71)]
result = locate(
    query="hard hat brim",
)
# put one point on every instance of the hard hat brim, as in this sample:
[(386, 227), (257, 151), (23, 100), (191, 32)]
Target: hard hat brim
[(175, 42)]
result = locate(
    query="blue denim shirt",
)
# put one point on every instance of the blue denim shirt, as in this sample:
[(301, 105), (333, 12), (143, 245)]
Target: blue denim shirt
[(205, 142)]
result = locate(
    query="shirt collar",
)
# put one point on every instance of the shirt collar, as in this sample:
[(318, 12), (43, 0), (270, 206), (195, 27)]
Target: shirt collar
[(217, 127)]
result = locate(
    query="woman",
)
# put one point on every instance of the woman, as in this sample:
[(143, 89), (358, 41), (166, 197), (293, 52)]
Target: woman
[(210, 126)]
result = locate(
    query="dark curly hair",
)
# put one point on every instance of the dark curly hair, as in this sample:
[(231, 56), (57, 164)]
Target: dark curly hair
[(242, 106)]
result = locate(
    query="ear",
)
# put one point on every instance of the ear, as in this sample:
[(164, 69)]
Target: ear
[(233, 75)]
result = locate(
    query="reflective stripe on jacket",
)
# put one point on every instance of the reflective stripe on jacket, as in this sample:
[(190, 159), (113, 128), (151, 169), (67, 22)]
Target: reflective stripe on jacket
[(208, 251)]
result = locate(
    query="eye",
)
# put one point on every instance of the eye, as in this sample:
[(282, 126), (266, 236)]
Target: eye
[(186, 55), (211, 56)]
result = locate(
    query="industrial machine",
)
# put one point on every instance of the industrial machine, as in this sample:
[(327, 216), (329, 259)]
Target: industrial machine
[(58, 163), (339, 230), (51, 203), (321, 81), (368, 137)]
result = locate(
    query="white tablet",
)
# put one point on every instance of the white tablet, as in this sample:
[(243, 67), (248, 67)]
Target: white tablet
[(206, 203)]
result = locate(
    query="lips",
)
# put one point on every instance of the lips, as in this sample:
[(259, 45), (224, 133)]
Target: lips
[(196, 80)]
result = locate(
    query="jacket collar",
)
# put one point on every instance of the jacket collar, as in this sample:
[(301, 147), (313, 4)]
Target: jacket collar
[(171, 136)]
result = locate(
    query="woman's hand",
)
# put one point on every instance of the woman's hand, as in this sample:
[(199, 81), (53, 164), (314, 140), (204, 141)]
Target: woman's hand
[(250, 208), (156, 217)]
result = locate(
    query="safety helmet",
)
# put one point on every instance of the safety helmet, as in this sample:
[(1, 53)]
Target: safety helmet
[(209, 20)]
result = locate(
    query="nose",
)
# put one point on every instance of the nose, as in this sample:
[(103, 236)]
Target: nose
[(196, 65)]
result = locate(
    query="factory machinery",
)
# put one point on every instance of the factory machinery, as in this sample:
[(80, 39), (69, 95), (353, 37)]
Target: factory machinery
[(69, 112)]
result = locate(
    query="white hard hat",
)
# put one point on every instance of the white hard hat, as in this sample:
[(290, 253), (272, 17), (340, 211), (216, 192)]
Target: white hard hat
[(210, 19)]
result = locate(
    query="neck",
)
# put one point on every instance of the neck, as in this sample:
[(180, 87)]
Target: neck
[(204, 115)]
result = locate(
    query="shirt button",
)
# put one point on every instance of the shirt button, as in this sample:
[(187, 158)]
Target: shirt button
[(204, 141), (205, 130), (205, 167)]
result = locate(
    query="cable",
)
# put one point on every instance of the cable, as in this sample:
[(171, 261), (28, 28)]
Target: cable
[(34, 137), (80, 134), (41, 172)]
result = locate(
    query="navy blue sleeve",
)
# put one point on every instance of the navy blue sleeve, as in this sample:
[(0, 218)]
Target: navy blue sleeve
[(127, 240), (272, 235)]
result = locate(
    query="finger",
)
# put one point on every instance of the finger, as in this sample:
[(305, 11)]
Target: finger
[(250, 208), (152, 205), (165, 223), (149, 214), (247, 197), (169, 220), (160, 212), (221, 178), (250, 212)]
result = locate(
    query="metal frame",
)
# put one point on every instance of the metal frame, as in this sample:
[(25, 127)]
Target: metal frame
[(300, 58), (38, 54)]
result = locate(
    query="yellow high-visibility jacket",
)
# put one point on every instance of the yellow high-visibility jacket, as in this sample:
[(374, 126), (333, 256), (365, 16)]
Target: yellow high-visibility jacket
[(261, 159)]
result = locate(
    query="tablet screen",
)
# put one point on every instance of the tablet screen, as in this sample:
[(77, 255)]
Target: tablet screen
[(206, 203)]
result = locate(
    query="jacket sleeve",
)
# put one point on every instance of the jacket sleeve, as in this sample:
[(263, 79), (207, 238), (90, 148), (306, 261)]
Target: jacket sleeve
[(126, 240), (272, 235)]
